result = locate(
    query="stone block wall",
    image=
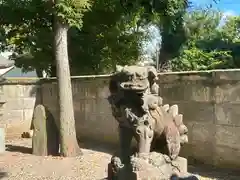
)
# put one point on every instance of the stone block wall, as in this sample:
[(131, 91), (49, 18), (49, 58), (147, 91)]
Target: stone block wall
[(92, 111), (210, 104), (18, 98), (209, 101)]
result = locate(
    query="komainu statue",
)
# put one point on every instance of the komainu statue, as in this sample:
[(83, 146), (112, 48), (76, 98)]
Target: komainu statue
[(158, 129)]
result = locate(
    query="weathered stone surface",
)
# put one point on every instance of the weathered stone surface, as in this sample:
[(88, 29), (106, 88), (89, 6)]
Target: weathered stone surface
[(228, 136), (227, 92), (200, 153), (103, 107), (31, 91), (15, 104), (27, 115), (39, 139), (49, 93), (103, 92), (87, 90), (13, 91), (226, 157), (226, 75), (197, 111), (45, 140), (227, 114), (202, 132), (173, 77), (1, 89), (187, 91), (164, 173), (155, 166), (15, 116), (29, 103)]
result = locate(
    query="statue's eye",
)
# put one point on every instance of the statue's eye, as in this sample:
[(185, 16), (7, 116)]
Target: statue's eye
[(130, 77), (138, 74), (146, 123)]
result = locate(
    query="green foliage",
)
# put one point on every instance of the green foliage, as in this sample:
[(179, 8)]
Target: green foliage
[(27, 28), (106, 38), (106, 35), (70, 12), (171, 27), (229, 39), (198, 59), (113, 38), (168, 16), (209, 45)]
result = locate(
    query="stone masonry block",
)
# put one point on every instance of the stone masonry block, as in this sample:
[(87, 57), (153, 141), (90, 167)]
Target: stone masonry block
[(103, 92), (90, 106), (200, 152), (31, 90), (49, 92), (14, 104), (51, 102), (85, 89), (1, 89), (223, 75), (13, 116), (13, 91), (187, 92), (103, 106), (89, 90), (202, 112), (76, 105), (226, 157), (27, 114), (227, 114), (227, 92), (202, 132), (174, 77), (29, 103), (27, 117), (228, 136)]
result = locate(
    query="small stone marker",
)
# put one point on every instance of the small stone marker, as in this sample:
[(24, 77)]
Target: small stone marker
[(45, 140), (2, 139)]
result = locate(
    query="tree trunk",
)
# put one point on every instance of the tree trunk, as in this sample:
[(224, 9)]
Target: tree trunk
[(68, 141), (164, 61), (39, 73), (53, 72)]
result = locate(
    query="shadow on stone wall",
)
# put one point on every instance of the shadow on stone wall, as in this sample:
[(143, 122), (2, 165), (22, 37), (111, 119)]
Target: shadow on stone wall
[(3, 175), (48, 90), (36, 92)]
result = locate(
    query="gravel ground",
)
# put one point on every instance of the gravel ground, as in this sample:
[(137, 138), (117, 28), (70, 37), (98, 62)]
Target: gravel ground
[(18, 164)]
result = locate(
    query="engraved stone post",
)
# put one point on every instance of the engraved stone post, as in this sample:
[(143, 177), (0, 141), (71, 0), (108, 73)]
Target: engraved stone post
[(45, 140)]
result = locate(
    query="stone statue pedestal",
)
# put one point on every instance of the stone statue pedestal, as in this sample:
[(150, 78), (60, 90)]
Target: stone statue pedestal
[(153, 166), (163, 172)]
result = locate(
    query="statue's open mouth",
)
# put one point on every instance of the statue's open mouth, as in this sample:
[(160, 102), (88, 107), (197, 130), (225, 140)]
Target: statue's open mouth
[(134, 86)]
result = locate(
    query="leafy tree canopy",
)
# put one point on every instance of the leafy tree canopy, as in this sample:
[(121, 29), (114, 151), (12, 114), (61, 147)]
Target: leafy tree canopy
[(211, 43), (107, 36)]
